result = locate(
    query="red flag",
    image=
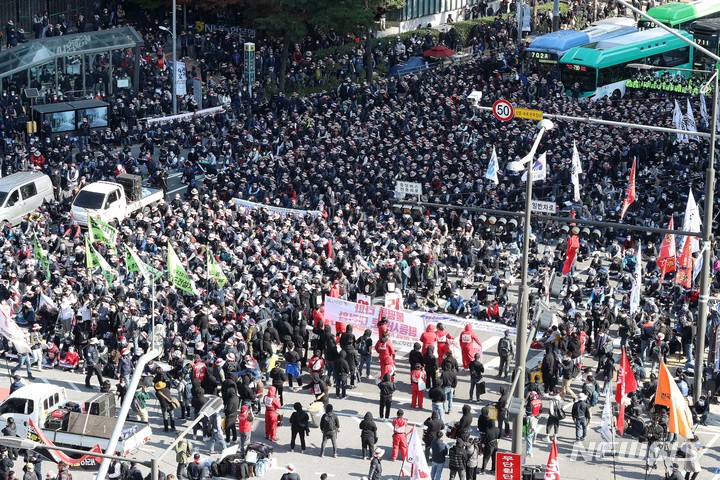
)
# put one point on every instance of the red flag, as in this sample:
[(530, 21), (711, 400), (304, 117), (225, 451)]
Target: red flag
[(626, 383), (570, 254), (684, 266), (552, 471), (666, 258), (629, 193)]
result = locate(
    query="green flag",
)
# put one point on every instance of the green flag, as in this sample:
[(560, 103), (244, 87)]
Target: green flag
[(102, 232), (40, 256), (177, 274), (91, 260), (135, 264), (214, 270)]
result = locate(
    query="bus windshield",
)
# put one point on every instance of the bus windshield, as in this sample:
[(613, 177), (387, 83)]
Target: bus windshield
[(584, 76)]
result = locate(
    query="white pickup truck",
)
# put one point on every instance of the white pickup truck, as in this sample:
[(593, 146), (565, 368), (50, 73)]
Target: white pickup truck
[(111, 201), (43, 414)]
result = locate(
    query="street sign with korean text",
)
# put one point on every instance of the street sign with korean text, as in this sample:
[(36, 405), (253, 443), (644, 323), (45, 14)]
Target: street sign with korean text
[(507, 466), (407, 188), (538, 206), (528, 114)]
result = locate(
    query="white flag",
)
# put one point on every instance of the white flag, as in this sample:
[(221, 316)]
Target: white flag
[(10, 330), (606, 424), (678, 123), (47, 302), (691, 223), (416, 457), (576, 170), (636, 283), (689, 121), (493, 167), (703, 110), (539, 169)]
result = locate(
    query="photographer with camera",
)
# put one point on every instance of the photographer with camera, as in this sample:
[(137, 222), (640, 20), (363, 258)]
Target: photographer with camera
[(655, 437)]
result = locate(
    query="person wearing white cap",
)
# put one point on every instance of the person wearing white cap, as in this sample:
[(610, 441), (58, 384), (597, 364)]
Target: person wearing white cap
[(291, 473), (375, 472)]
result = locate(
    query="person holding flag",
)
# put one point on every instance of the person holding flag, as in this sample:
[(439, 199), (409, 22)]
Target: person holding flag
[(626, 383)]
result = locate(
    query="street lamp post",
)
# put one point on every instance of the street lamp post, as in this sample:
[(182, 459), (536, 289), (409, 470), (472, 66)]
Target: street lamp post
[(173, 32), (522, 323)]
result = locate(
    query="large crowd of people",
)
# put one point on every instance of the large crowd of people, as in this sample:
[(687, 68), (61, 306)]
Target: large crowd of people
[(333, 158)]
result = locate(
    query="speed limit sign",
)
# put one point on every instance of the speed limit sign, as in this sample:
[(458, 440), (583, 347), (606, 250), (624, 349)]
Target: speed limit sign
[(503, 110)]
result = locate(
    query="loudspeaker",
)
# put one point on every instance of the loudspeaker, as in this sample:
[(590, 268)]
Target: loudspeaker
[(132, 184)]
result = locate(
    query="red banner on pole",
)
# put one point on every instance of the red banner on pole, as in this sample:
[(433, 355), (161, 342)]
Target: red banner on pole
[(684, 266), (666, 257), (507, 466)]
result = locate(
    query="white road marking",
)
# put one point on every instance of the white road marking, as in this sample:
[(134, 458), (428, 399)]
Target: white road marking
[(74, 387)]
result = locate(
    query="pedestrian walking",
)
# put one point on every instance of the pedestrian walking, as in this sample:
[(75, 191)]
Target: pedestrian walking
[(581, 417), (92, 364), (368, 435), (139, 404), (329, 426), (467, 339), (437, 397), (299, 420), (555, 414)]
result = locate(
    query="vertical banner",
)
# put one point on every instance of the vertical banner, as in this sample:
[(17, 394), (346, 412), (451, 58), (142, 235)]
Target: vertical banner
[(507, 466), (181, 79), (249, 50), (394, 301), (526, 18)]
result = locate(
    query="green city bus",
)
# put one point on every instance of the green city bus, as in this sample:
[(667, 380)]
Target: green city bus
[(680, 14), (706, 33), (601, 69)]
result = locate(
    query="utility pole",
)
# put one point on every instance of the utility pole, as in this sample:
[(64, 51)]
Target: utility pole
[(519, 7), (556, 16)]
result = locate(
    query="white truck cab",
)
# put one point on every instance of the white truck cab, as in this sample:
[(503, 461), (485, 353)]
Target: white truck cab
[(111, 201)]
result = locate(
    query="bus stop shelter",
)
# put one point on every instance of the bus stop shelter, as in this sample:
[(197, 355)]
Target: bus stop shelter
[(47, 61)]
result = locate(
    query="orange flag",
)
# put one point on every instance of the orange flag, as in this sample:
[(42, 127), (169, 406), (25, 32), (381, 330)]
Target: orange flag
[(684, 265), (668, 394)]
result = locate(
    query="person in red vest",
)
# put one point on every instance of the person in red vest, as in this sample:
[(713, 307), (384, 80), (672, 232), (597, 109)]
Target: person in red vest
[(417, 375), (245, 424), (400, 444), (444, 339), (493, 311), (467, 337), (386, 353), (428, 338), (199, 369), (272, 405)]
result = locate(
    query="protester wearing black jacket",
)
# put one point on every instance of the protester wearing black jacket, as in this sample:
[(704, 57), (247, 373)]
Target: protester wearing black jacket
[(368, 435), (387, 388), (465, 423), (490, 444), (342, 372), (298, 426), (232, 406)]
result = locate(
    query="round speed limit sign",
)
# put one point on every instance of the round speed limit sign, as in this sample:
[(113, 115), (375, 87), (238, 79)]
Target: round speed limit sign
[(503, 110)]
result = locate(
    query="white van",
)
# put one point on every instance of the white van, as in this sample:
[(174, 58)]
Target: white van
[(22, 193)]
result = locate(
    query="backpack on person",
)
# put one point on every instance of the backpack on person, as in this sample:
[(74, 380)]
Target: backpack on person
[(593, 396), (559, 412), (326, 423), (504, 347)]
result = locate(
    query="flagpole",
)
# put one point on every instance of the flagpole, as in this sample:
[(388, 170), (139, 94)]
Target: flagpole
[(402, 467)]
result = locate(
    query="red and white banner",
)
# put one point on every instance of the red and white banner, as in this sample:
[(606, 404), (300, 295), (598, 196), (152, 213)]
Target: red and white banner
[(507, 466), (364, 299), (393, 301), (10, 330), (402, 326)]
